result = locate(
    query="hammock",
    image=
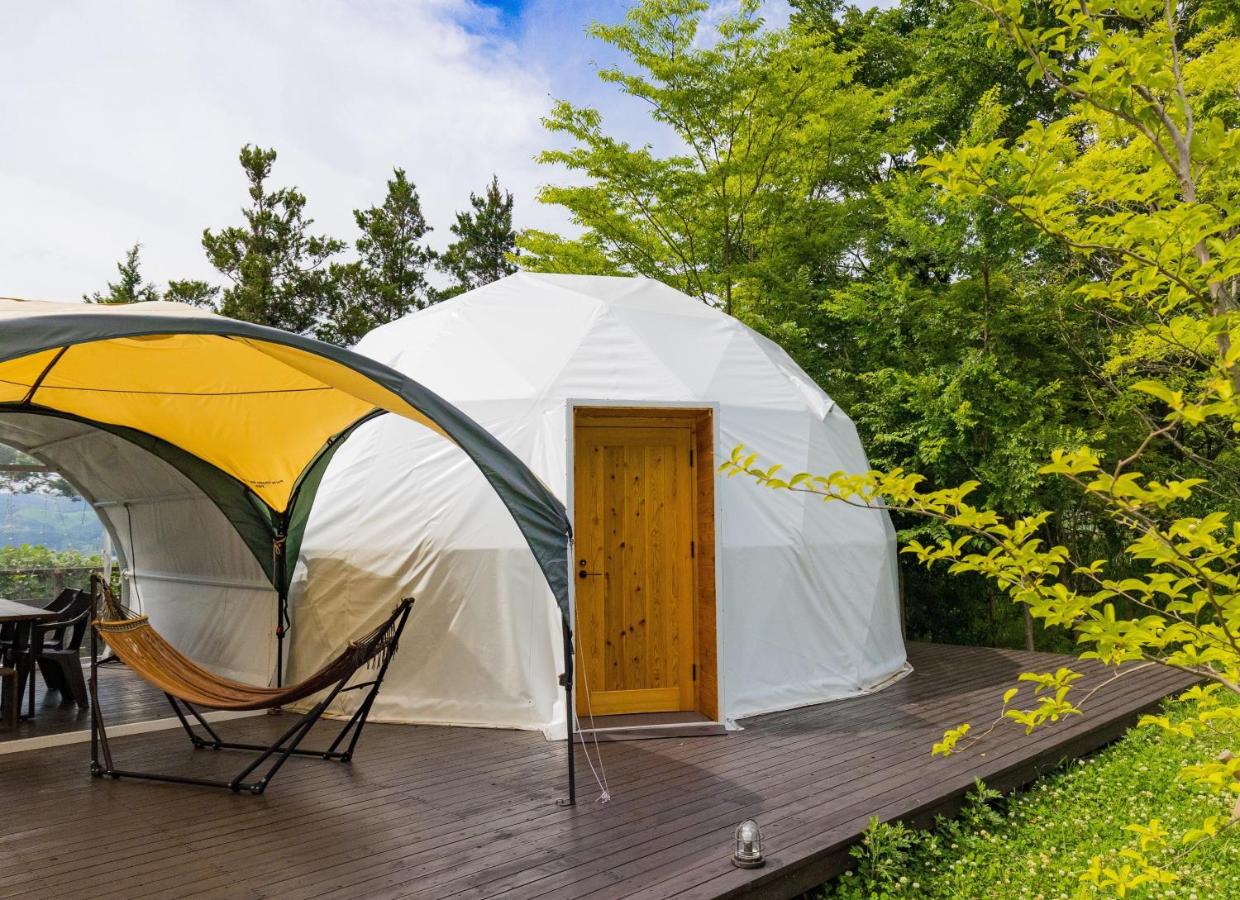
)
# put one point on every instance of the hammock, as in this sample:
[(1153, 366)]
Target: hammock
[(188, 685), (148, 654)]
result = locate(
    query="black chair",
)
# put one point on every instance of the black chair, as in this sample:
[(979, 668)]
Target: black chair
[(57, 649), (8, 631), (65, 598)]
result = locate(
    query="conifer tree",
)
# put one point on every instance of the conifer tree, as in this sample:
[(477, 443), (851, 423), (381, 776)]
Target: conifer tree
[(278, 269), (485, 241), (131, 287), (388, 279)]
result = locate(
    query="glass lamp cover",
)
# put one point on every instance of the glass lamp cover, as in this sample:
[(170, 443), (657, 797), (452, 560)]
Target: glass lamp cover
[(748, 841)]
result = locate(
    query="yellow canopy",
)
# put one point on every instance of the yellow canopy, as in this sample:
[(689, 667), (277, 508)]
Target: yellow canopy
[(257, 404), (252, 408)]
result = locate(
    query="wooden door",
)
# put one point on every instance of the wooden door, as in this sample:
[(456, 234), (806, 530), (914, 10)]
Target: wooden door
[(635, 518)]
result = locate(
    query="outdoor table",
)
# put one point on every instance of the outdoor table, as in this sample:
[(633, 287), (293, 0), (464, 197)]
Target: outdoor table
[(24, 615)]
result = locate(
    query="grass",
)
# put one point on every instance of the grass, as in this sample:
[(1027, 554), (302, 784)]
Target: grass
[(1036, 843)]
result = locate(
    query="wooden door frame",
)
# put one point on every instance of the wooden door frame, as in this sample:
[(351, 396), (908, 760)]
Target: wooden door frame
[(707, 572)]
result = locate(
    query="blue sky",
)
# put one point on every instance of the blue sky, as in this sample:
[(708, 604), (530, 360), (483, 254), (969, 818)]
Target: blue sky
[(123, 118), (510, 9)]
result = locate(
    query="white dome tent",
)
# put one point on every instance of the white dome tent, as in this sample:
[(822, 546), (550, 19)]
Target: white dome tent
[(793, 601)]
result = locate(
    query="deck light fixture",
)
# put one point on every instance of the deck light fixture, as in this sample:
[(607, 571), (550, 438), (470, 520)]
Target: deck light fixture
[(748, 853)]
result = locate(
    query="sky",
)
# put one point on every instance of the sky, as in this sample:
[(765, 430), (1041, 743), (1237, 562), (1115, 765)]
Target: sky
[(121, 120)]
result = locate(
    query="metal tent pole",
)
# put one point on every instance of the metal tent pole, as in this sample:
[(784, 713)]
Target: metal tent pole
[(98, 730), (281, 617), (94, 676), (566, 680), (281, 579)]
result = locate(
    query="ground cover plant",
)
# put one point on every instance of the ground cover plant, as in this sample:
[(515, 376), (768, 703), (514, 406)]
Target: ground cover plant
[(1041, 842)]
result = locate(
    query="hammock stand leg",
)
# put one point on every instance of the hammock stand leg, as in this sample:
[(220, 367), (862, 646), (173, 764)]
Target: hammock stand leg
[(566, 681), (358, 720), (215, 743), (285, 746)]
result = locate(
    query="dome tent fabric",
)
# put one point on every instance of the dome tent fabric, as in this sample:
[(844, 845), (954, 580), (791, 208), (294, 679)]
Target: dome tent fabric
[(195, 409), (806, 592)]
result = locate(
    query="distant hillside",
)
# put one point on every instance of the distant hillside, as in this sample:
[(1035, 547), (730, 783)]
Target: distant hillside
[(56, 522)]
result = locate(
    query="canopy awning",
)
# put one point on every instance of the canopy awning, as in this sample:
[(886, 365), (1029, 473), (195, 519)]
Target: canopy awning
[(251, 414)]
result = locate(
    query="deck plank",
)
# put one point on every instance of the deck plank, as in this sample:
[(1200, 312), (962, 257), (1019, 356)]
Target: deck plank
[(128, 699), (465, 813)]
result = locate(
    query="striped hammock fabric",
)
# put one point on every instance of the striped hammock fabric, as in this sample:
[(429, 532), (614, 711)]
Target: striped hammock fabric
[(147, 653)]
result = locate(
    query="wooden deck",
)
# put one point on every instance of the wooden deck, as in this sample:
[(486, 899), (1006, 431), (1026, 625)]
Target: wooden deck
[(451, 812), (126, 698)]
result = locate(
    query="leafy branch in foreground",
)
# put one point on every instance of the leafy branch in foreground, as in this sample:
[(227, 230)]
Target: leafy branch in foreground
[(1038, 843), (1182, 612), (1140, 182)]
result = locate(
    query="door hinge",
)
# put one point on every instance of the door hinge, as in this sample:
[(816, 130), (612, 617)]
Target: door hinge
[(695, 671), (692, 550), (691, 456)]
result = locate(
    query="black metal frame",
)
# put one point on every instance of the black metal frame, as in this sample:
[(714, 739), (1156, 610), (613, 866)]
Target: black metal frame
[(566, 681), (282, 748)]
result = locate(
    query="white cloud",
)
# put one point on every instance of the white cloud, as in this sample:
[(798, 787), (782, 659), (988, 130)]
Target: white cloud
[(122, 122), (122, 119)]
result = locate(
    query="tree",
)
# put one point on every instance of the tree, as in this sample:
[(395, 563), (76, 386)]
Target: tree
[(798, 206), (485, 242), (960, 356), (388, 280), (277, 269), (773, 135), (545, 251), (1141, 183), (193, 292), (936, 56), (131, 287)]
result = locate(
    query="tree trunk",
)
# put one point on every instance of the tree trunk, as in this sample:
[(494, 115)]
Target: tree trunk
[(900, 584)]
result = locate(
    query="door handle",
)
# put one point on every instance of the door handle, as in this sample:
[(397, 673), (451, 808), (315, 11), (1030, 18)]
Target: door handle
[(582, 573)]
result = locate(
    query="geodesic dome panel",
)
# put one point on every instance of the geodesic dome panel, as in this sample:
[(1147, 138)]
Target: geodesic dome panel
[(807, 592)]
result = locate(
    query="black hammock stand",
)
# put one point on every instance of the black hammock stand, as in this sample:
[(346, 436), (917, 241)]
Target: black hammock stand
[(188, 686)]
